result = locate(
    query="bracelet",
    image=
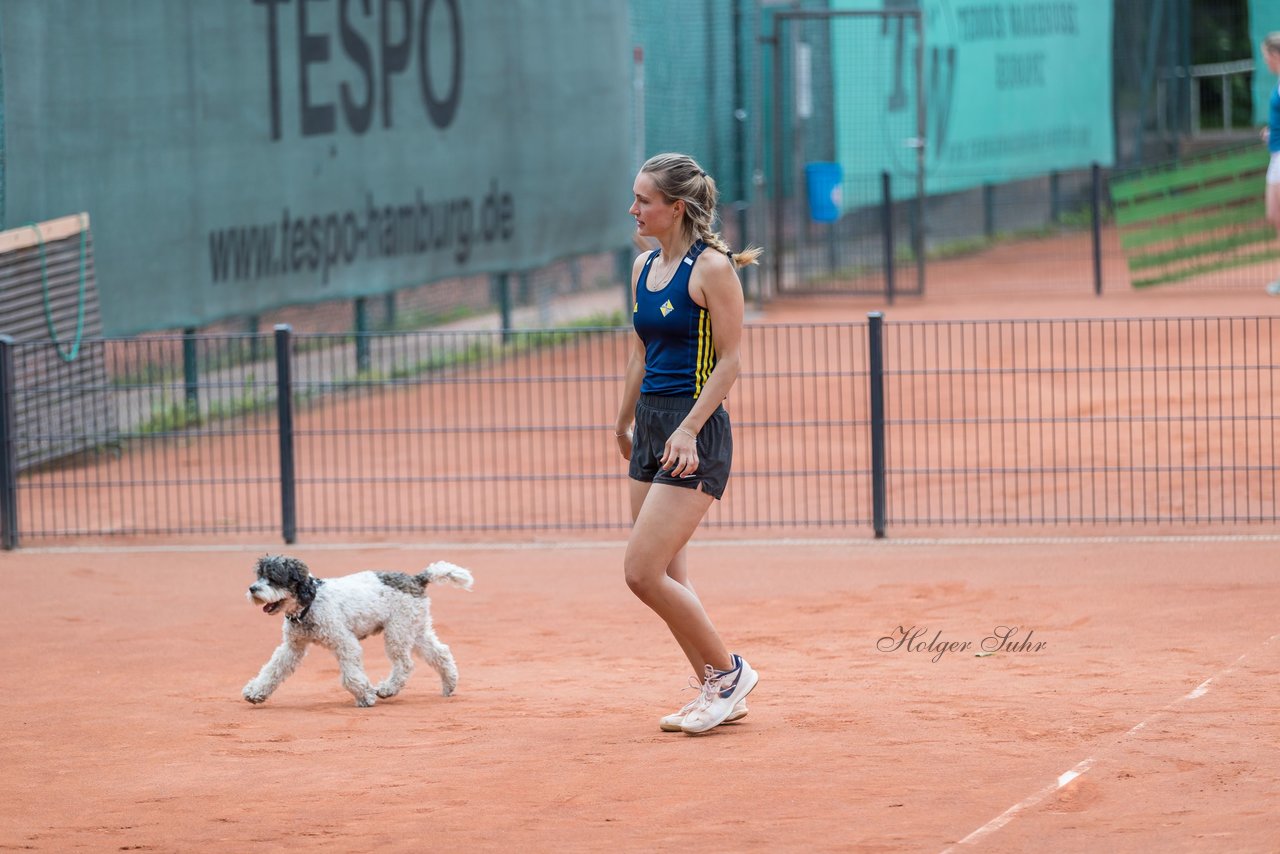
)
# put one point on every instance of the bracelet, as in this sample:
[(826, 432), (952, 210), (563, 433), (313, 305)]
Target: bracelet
[(692, 435), (618, 435)]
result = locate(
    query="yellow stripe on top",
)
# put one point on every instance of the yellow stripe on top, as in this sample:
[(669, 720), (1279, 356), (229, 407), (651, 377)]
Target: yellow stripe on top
[(706, 362)]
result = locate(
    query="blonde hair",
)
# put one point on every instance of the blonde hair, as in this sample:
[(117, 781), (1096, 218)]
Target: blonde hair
[(1272, 43), (679, 177)]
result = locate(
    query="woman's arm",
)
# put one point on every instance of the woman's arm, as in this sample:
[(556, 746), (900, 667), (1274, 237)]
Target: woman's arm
[(633, 376)]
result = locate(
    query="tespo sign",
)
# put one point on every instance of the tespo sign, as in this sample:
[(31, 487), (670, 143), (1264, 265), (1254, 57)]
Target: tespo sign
[(240, 155), (377, 43)]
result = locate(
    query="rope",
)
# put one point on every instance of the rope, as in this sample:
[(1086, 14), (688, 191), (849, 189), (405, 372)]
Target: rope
[(48, 308)]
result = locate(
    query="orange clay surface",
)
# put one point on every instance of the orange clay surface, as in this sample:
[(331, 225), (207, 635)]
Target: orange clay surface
[(124, 728), (1145, 722)]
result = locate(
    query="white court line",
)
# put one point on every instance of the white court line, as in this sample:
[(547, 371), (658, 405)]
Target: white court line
[(1084, 765), (563, 545)]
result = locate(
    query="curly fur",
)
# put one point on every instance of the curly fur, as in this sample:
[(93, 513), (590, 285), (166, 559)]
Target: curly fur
[(338, 613)]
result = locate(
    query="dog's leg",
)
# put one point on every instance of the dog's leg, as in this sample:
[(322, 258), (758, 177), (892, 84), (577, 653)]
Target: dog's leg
[(283, 661), (439, 657), (400, 652), (351, 663)]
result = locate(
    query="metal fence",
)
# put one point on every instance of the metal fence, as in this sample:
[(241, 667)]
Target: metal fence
[(849, 426)]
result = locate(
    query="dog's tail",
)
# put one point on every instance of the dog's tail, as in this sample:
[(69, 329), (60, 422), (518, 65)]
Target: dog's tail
[(443, 572)]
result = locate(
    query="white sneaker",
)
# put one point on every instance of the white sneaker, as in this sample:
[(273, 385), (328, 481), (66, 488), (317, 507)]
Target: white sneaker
[(720, 694), (671, 723)]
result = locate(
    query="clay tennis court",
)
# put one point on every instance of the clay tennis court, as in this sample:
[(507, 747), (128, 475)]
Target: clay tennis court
[(1145, 721), (125, 729)]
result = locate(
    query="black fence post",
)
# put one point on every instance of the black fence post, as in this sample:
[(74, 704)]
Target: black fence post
[(284, 409), (917, 241), (989, 210), (501, 284), (1096, 216), (251, 324), (190, 373), (389, 310), (886, 227), (1055, 197), (8, 449), (623, 259), (875, 346), (362, 335)]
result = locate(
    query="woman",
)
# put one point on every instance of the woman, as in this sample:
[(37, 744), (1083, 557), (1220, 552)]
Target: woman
[(688, 321)]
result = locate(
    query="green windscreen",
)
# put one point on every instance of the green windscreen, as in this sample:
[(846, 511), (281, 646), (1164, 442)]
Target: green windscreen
[(1012, 88), (1264, 18), (239, 155)]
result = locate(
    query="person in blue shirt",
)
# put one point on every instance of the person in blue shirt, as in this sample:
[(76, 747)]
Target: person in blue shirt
[(1271, 135), (672, 426)]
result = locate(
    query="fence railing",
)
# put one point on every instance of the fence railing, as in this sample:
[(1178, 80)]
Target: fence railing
[(869, 425)]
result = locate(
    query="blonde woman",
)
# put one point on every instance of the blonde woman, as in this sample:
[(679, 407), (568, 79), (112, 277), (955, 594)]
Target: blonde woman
[(671, 425)]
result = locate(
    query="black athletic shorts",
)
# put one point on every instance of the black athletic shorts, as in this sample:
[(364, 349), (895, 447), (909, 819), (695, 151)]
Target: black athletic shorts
[(656, 419)]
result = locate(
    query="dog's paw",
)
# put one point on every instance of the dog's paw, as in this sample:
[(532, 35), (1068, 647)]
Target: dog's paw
[(367, 700), (384, 691), (254, 694)]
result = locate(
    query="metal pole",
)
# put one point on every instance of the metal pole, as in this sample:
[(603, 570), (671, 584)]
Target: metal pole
[(875, 345), (886, 228), (501, 284), (8, 449), (922, 130), (988, 210), (255, 344), (759, 213), (625, 258), (1055, 196), (779, 209), (284, 410), (190, 373), (1155, 31), (389, 310), (362, 335), (740, 133), (1096, 211), (637, 106), (1184, 77)]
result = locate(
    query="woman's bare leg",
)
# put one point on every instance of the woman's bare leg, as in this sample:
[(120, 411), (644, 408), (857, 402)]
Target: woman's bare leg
[(677, 570), (666, 519)]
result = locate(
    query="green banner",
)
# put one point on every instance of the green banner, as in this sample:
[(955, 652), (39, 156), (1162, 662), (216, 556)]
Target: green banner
[(1012, 89), (1264, 18), (239, 155)]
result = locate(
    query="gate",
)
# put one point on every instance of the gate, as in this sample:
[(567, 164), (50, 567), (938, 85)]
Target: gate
[(844, 149)]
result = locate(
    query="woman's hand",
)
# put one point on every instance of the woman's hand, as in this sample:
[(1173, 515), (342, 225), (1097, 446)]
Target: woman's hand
[(680, 455), (624, 442)]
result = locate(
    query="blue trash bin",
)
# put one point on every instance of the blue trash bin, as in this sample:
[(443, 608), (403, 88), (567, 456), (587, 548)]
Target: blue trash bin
[(824, 181)]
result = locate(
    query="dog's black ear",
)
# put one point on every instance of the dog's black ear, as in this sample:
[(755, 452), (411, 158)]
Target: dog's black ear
[(307, 592), (303, 584)]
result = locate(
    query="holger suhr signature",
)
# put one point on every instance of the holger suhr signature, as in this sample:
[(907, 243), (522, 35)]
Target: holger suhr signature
[(916, 639)]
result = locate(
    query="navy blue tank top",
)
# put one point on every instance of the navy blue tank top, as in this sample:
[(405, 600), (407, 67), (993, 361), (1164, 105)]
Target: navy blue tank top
[(678, 351)]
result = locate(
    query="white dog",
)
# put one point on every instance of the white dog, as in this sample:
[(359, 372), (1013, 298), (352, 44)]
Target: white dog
[(338, 613)]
